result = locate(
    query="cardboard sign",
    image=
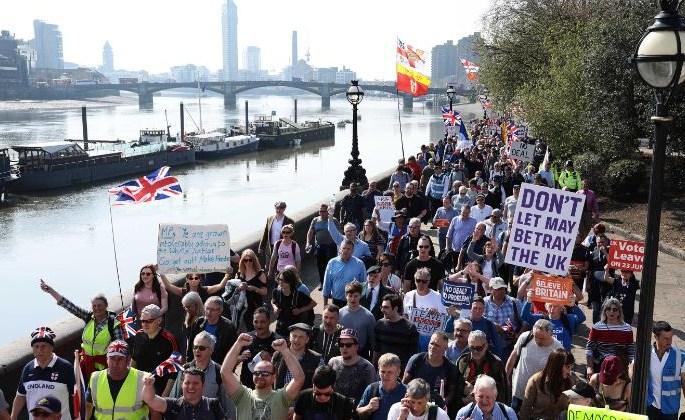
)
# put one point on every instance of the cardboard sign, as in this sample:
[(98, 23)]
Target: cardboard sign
[(457, 294), (428, 322), (544, 230), (581, 412), (522, 151), (193, 248), (552, 289), (626, 255), (385, 207)]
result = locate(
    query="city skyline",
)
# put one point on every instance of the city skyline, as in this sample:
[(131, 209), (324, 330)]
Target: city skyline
[(178, 34)]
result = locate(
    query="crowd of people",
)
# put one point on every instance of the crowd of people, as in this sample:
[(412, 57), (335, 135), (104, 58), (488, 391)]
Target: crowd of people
[(359, 354)]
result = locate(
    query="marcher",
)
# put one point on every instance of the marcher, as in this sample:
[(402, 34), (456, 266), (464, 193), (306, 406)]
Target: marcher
[(149, 291), (254, 284), (321, 402), (610, 336), (442, 220), (286, 251), (326, 335), (475, 361), (320, 240), (415, 404), (260, 347), (272, 231), (361, 248), (612, 384), (340, 271), (373, 292), (424, 259), (423, 297), (354, 372), (544, 396), (394, 333), (195, 283), (220, 327), (485, 406), (191, 401), (379, 396), (352, 207), (47, 407), (356, 317), (460, 344), (290, 305), (666, 375), (564, 323), (308, 359)]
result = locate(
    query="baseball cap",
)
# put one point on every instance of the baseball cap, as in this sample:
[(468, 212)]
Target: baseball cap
[(44, 335), (300, 326), (373, 269), (610, 370), (349, 333), (497, 212), (117, 348), (153, 310), (49, 404), (480, 195), (497, 283)]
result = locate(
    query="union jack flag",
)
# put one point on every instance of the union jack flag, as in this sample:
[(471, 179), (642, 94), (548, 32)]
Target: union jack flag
[(450, 118), (43, 332), (156, 186), (171, 365), (129, 325), (78, 401)]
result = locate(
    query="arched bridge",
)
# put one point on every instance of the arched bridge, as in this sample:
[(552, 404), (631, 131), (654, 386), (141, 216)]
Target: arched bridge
[(229, 90)]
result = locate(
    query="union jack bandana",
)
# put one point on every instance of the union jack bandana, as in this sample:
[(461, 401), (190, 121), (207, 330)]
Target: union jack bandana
[(117, 348), (44, 334), (171, 365)]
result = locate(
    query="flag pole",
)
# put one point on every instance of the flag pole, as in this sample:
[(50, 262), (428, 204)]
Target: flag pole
[(114, 246), (399, 118)]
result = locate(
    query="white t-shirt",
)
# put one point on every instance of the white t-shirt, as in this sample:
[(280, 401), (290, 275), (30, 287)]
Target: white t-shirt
[(276, 227), (480, 214), (532, 359), (431, 300), (394, 413), (656, 366)]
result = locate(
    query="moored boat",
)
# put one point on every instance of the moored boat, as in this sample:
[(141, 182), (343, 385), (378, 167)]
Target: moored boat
[(283, 132), (217, 144)]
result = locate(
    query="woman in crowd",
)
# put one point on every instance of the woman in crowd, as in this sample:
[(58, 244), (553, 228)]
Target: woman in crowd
[(610, 336), (612, 384), (564, 323), (149, 291), (373, 238), (388, 278), (473, 274), (289, 304), (544, 397), (624, 287), (490, 261), (254, 284), (286, 252), (400, 177), (194, 308), (195, 283)]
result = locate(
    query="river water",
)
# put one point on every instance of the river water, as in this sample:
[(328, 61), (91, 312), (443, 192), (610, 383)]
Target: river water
[(66, 237)]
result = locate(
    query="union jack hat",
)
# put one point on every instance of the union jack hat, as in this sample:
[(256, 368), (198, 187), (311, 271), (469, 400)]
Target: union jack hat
[(43, 334), (117, 348)]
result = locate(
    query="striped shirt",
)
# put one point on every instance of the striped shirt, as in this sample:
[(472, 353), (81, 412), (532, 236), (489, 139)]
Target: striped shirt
[(605, 340)]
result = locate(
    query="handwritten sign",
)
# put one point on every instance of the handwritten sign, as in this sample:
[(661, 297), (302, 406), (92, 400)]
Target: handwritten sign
[(626, 255), (192, 248), (552, 289), (428, 322), (457, 294), (522, 151), (385, 207), (544, 230), (581, 412)]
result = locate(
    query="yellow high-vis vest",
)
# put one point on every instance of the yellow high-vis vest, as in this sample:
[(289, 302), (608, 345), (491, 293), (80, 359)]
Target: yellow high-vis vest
[(129, 403)]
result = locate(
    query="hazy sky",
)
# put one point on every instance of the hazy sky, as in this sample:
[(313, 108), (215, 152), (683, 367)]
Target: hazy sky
[(155, 34)]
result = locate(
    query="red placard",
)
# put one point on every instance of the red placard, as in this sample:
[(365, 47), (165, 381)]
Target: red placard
[(442, 223), (626, 255), (552, 289)]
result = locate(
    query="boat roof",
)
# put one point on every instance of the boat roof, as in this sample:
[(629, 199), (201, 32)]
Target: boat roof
[(211, 135), (50, 147)]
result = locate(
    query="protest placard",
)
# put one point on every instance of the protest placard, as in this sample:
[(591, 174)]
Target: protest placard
[(428, 322), (522, 151), (442, 223), (626, 255), (385, 207), (544, 230), (192, 248), (581, 412), (457, 294), (552, 289)]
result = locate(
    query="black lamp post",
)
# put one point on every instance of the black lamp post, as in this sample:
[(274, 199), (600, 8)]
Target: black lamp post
[(355, 173), (450, 94), (659, 62)]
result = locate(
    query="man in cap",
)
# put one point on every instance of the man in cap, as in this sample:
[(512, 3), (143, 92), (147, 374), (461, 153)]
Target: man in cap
[(272, 230), (396, 229), (373, 291), (46, 374), (354, 373), (504, 311), (47, 407), (192, 400), (569, 179), (116, 391), (480, 211), (309, 360)]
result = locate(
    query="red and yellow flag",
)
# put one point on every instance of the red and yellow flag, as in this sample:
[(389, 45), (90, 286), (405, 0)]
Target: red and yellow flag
[(411, 77)]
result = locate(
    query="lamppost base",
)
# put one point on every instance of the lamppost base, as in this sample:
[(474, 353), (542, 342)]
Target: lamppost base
[(355, 173)]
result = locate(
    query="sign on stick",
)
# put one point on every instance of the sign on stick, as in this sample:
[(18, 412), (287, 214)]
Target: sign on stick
[(193, 248), (626, 255), (457, 294), (522, 151)]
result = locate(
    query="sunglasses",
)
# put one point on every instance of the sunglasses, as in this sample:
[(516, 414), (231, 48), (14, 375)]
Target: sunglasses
[(40, 414), (248, 259), (347, 344), (322, 394), (463, 330), (421, 281), (386, 264), (147, 321), (201, 348), (194, 278), (286, 233), (424, 246), (477, 348), (612, 309), (145, 274), (261, 373)]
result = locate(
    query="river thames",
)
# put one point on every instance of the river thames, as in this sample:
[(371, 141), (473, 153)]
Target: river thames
[(66, 238)]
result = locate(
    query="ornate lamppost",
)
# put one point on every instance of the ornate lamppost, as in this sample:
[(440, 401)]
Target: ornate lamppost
[(355, 172), (450, 94)]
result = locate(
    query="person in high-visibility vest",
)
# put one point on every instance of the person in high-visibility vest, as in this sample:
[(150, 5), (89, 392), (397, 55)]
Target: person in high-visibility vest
[(116, 393), (102, 327), (569, 179)]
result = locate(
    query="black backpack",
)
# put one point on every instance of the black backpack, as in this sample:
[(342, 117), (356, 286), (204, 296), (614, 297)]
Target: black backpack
[(473, 407)]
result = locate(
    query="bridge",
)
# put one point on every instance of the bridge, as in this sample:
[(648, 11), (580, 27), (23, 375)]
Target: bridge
[(230, 90)]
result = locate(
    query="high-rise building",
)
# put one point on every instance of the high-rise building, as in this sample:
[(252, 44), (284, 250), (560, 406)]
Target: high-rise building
[(48, 44), (345, 75), (253, 62), (229, 26), (293, 57), (13, 69), (107, 58), (444, 59)]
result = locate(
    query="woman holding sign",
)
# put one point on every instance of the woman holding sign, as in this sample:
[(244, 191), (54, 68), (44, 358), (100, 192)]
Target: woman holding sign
[(563, 324), (194, 283)]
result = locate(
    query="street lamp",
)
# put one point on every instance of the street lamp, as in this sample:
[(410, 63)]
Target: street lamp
[(659, 62), (450, 94), (355, 172)]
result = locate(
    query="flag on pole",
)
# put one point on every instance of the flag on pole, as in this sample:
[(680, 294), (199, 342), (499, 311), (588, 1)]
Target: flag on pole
[(411, 76), (156, 186), (173, 364), (450, 117), (471, 69), (79, 390), (128, 323)]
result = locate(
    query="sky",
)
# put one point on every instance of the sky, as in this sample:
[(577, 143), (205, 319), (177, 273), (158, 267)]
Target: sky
[(154, 35)]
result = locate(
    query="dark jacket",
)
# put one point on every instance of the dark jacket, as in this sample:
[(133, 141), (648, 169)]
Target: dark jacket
[(366, 299), (329, 348), (265, 242), (491, 365), (310, 361), (225, 337)]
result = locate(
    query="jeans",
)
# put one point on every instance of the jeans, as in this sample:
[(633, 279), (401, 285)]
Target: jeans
[(654, 413)]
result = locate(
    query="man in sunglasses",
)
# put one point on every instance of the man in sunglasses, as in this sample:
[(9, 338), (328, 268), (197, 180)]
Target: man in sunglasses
[(354, 372), (425, 258), (214, 323), (321, 402), (477, 360), (262, 402)]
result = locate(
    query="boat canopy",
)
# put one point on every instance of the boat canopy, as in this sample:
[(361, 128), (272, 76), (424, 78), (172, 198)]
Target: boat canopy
[(53, 149)]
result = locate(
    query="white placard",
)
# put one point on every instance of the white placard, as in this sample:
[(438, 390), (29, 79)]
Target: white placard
[(522, 151), (385, 207), (544, 230), (193, 248)]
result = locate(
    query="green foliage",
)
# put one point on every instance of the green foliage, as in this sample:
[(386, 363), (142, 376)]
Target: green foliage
[(591, 165), (625, 177)]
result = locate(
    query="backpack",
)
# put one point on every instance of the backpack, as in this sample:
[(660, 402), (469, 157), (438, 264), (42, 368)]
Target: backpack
[(523, 345), (278, 245), (501, 407)]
